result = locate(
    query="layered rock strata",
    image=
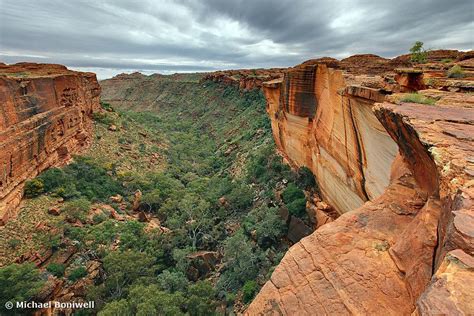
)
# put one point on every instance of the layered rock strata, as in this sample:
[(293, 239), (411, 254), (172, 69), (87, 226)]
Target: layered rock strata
[(321, 122), (402, 176), (45, 117)]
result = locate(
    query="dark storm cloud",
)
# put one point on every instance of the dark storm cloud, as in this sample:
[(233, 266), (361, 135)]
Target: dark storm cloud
[(111, 36)]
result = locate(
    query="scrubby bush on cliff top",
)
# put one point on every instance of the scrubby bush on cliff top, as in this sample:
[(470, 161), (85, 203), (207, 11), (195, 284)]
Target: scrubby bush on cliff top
[(418, 53), (455, 72), (417, 98)]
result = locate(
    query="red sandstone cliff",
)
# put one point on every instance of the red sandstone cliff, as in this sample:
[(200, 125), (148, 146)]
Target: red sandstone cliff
[(402, 176), (45, 116)]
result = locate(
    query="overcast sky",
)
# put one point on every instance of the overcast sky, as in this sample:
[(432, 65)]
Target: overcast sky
[(114, 36)]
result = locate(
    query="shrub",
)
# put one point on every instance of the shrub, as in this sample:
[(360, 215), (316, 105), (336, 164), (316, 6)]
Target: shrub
[(34, 188), (248, 290), (18, 282), (241, 262), (103, 118), (417, 98), (292, 193), (99, 218), (267, 223), (77, 209), (305, 178), (456, 72), (53, 178), (56, 269), (297, 207), (106, 106), (201, 299), (418, 53), (447, 60), (172, 281), (14, 243), (77, 274)]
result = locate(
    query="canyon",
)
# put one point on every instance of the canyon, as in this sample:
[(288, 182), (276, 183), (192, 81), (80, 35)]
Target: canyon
[(399, 173), (45, 118), (390, 144)]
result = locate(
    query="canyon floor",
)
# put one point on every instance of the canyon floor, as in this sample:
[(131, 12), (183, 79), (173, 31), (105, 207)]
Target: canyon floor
[(329, 188)]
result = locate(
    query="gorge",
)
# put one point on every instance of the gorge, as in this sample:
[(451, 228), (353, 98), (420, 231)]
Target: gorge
[(390, 144)]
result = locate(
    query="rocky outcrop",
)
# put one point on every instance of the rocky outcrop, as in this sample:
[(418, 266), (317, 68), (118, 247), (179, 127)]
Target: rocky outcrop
[(321, 122), (45, 117), (245, 79), (401, 174)]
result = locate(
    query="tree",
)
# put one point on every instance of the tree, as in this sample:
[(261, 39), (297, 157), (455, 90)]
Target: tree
[(172, 281), (19, 282), (116, 308), (124, 268), (267, 223), (418, 53), (201, 299), (150, 300), (193, 214), (77, 274), (241, 263)]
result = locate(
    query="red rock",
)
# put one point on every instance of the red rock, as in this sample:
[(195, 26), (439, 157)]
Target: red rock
[(409, 248), (45, 118), (201, 264), (116, 216), (116, 198), (143, 217), (137, 198), (321, 123), (54, 211)]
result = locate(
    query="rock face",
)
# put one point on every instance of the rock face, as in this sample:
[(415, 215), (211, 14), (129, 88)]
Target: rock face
[(402, 177), (321, 122), (45, 116)]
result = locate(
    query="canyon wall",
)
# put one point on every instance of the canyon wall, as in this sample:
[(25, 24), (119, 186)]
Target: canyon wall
[(400, 173), (320, 122), (45, 117)]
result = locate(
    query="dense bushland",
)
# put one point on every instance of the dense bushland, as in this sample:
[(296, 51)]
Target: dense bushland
[(215, 192)]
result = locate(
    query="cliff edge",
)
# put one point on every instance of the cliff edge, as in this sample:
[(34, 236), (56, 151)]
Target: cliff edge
[(401, 175), (45, 117)]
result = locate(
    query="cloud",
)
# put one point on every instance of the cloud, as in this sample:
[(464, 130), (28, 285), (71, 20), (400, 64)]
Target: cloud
[(186, 35)]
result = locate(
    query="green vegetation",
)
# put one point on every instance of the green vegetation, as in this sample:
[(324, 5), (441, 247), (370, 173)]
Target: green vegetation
[(418, 53), (76, 210), (14, 243), (249, 290), (456, 72), (77, 273), (206, 166), (417, 98), (34, 188), (18, 282), (56, 269), (295, 200)]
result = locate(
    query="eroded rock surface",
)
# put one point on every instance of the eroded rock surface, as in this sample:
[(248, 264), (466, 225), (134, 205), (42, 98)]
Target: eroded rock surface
[(45, 117), (404, 241)]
